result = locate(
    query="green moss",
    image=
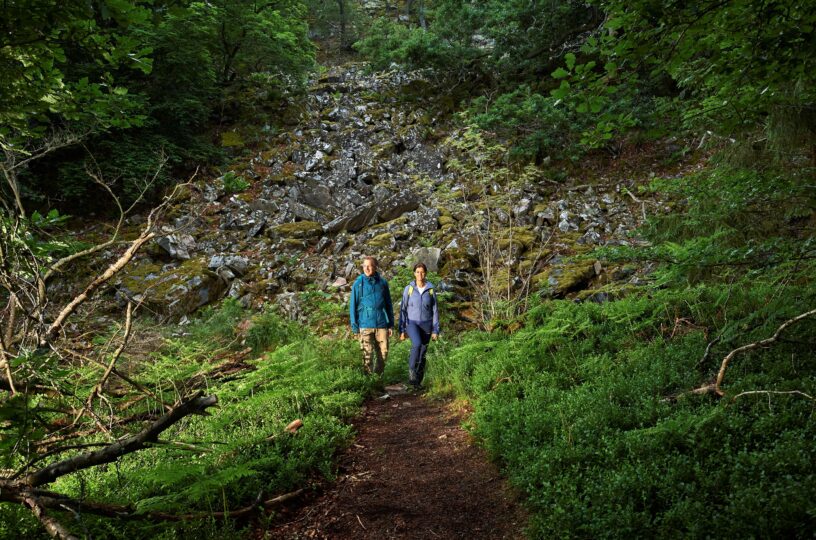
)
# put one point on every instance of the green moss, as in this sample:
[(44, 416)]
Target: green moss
[(232, 139), (135, 278), (384, 150), (522, 237), (176, 291), (566, 278), (299, 229), (499, 280), (381, 240), (455, 259)]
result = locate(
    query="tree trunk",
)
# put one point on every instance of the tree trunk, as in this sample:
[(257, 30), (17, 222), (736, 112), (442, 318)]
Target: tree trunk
[(341, 5), (421, 14)]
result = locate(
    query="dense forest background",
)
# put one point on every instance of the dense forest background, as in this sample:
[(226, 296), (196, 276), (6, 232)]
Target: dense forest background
[(680, 405)]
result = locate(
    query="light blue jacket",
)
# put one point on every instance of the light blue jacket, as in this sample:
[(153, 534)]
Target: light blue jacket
[(370, 304), (419, 307)]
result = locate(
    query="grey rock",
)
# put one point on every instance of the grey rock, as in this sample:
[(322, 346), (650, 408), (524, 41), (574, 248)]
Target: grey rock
[(315, 161), (428, 255), (236, 289), (340, 243), (322, 244), (225, 273), (521, 208), (236, 263), (288, 304), (256, 229), (306, 213), (177, 291), (590, 237), (546, 217), (178, 246)]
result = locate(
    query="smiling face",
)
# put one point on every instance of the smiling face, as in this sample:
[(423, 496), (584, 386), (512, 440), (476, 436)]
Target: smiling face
[(419, 274), (369, 267)]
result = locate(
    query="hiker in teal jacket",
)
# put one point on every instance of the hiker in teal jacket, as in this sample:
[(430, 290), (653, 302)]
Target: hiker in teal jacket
[(372, 316)]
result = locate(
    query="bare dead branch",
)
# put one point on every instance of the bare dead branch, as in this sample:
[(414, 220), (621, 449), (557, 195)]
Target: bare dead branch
[(112, 270), (53, 453), (708, 350), (60, 502), (11, 322), (757, 344), (147, 234), (769, 392), (54, 527), (135, 384), (6, 339), (197, 404), (97, 390)]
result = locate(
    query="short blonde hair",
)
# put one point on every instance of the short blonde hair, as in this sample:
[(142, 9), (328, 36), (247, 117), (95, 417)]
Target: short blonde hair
[(372, 259)]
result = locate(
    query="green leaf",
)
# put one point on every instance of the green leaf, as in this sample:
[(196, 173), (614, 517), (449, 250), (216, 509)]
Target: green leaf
[(560, 73)]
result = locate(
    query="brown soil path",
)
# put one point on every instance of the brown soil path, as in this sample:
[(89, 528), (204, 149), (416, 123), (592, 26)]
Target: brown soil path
[(413, 472)]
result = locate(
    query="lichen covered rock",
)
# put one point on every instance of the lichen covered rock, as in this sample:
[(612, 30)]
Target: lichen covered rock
[(172, 292)]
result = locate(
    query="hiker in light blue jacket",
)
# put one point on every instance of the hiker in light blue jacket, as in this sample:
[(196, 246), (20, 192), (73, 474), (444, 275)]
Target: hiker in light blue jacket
[(419, 320)]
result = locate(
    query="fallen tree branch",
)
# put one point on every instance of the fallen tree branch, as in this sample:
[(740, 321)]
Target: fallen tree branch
[(52, 453), (60, 502), (54, 527), (195, 405), (112, 270), (146, 235), (97, 390), (4, 363), (756, 345), (769, 392), (708, 350)]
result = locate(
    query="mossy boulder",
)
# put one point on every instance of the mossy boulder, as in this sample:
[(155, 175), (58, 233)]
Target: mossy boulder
[(384, 151), (299, 229), (384, 240), (232, 139), (174, 292), (456, 259), (568, 277), (516, 239), (446, 222)]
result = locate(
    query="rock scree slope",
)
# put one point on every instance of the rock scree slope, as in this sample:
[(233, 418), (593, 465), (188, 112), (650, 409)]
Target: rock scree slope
[(364, 170)]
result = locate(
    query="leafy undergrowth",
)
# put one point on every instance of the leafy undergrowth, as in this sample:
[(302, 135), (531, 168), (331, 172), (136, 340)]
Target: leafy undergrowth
[(225, 460), (588, 406)]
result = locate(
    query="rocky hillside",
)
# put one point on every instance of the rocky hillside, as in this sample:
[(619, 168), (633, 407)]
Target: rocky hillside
[(366, 171)]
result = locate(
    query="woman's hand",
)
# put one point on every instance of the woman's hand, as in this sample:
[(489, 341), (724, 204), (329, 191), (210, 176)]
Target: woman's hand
[(434, 336), (402, 336)]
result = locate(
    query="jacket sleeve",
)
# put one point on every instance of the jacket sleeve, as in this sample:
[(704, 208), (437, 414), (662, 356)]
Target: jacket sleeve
[(435, 329), (403, 316), (389, 307), (355, 323)]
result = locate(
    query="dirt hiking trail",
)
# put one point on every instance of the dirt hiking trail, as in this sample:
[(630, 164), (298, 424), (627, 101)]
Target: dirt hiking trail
[(412, 472)]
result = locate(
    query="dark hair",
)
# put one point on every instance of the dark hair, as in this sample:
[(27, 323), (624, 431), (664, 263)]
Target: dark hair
[(372, 259), (421, 265)]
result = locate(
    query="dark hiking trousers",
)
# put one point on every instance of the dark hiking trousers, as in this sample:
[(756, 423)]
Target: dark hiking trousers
[(420, 335)]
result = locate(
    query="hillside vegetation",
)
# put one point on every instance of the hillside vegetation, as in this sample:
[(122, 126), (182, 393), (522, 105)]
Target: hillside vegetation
[(621, 197)]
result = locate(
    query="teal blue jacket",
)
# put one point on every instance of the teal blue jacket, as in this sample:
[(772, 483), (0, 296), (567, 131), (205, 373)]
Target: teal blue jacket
[(370, 304)]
